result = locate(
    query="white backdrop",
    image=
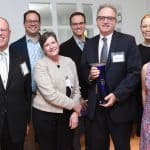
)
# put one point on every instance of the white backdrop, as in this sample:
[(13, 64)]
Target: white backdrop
[(132, 11)]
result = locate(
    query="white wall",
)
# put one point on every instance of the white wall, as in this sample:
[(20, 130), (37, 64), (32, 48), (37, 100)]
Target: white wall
[(132, 11), (13, 11)]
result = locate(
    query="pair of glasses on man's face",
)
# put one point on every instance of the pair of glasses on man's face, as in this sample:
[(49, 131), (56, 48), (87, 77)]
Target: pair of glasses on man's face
[(4, 30), (32, 21), (77, 24), (103, 18)]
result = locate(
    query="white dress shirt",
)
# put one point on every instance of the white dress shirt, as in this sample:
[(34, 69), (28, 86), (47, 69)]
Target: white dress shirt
[(100, 46), (4, 66)]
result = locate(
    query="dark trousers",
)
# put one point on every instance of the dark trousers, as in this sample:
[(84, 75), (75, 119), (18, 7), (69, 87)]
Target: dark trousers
[(78, 132), (52, 130), (6, 142), (102, 127)]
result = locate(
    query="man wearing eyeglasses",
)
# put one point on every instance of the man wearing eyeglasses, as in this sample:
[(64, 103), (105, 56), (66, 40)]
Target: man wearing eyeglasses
[(118, 52), (73, 48), (15, 95), (29, 45)]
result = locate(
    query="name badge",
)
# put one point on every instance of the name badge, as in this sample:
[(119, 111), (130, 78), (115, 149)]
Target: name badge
[(24, 68), (118, 57), (68, 82)]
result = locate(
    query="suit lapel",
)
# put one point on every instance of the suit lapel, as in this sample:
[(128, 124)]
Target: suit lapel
[(112, 48), (75, 45), (91, 48), (95, 49), (12, 66), (25, 51), (1, 85)]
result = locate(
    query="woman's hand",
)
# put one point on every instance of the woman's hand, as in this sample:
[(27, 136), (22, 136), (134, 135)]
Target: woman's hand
[(73, 122)]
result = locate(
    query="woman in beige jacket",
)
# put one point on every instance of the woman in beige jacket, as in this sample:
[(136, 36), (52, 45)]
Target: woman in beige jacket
[(56, 103)]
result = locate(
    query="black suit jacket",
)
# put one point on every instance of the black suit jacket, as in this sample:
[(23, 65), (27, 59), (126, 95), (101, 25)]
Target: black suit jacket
[(121, 77), (15, 100), (71, 49), (21, 46)]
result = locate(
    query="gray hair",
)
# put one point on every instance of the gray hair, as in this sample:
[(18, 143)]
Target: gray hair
[(107, 6)]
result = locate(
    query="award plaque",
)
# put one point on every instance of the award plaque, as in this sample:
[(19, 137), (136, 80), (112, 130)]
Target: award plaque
[(101, 89)]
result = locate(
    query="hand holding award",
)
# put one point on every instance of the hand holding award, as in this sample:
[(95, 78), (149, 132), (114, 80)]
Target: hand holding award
[(101, 89)]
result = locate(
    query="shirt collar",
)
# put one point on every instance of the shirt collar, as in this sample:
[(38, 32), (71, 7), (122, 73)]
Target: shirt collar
[(6, 51), (108, 37), (78, 40), (29, 39), (147, 45)]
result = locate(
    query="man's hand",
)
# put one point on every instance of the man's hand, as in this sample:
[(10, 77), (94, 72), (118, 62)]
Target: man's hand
[(94, 73), (111, 99), (83, 104), (27, 129)]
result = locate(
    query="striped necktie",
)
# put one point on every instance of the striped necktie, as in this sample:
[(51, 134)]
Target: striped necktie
[(103, 58)]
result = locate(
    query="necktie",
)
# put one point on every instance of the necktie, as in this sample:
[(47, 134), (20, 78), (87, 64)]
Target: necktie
[(103, 58), (4, 73), (81, 44)]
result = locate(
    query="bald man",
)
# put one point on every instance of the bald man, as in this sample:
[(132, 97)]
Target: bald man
[(15, 95)]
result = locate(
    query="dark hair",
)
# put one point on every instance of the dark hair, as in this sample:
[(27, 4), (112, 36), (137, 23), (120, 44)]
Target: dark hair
[(77, 14), (45, 36), (29, 12), (145, 16)]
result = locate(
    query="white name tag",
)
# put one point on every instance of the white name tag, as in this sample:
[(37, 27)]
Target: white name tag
[(117, 57), (24, 68), (68, 83)]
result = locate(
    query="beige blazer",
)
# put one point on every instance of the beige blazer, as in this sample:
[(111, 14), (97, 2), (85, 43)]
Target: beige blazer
[(51, 85)]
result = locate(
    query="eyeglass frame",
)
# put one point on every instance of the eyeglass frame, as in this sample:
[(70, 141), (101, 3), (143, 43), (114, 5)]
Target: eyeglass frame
[(32, 21), (145, 26), (4, 30), (78, 24), (109, 18)]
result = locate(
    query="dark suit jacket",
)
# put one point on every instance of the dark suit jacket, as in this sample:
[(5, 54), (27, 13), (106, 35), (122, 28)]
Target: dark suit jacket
[(71, 49), (121, 77), (21, 46), (16, 98)]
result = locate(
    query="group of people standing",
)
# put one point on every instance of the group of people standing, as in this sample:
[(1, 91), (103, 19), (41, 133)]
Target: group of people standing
[(57, 84)]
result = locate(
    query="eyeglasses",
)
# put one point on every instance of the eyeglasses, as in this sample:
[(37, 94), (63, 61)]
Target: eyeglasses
[(3, 30), (109, 18), (145, 26), (32, 21), (76, 24)]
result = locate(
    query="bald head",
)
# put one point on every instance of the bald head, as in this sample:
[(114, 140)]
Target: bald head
[(4, 33), (3, 19)]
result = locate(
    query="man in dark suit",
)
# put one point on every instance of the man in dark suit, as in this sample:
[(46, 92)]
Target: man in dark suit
[(114, 117), (15, 94), (29, 45), (73, 48)]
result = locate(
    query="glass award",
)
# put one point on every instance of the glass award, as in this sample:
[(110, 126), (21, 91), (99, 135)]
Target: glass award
[(101, 89)]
